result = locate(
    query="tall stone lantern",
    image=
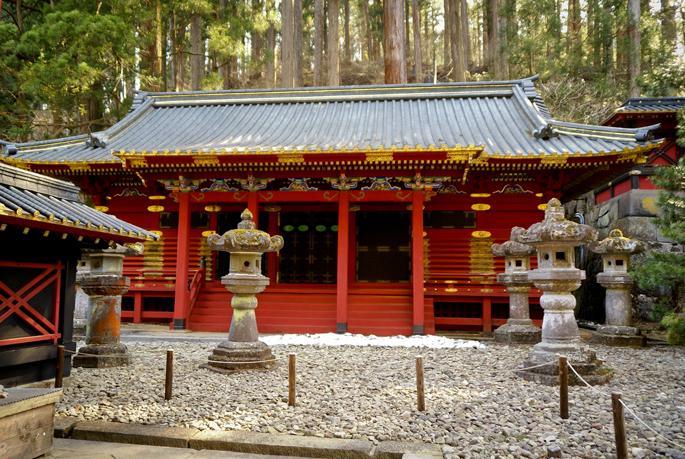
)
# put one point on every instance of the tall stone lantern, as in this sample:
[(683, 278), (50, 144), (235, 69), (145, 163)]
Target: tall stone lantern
[(618, 330), (243, 350), (101, 278), (519, 329), (555, 239)]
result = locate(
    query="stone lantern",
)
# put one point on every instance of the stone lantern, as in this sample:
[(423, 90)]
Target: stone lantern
[(618, 331), (246, 246), (101, 278), (555, 239), (519, 329)]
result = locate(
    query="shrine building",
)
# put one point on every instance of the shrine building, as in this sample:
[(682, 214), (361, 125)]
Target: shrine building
[(388, 197)]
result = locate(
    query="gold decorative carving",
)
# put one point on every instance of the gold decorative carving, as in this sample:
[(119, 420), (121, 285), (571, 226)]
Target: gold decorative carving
[(538, 195), (481, 234), (156, 232), (100, 209), (155, 209), (157, 198), (213, 208), (554, 159), (480, 195), (207, 233), (290, 158), (79, 167), (142, 162), (354, 207), (457, 156), (210, 161), (542, 207), (272, 208), (379, 157), (451, 289), (480, 206)]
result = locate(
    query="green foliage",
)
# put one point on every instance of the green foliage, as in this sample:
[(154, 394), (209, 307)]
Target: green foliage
[(675, 324), (667, 269)]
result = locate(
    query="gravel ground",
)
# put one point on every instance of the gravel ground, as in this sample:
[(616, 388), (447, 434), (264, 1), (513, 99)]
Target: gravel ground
[(476, 407)]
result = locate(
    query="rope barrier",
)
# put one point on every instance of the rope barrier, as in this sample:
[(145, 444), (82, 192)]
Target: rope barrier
[(677, 445)]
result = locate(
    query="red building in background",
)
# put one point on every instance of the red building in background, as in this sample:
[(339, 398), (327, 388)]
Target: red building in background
[(388, 197)]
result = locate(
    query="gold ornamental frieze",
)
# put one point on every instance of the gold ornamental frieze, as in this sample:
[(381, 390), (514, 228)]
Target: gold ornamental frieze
[(206, 161), (556, 160), (290, 158), (459, 156), (379, 157)]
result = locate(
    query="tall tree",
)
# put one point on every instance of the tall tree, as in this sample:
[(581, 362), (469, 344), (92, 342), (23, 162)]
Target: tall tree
[(634, 47), (196, 55), (333, 43), (668, 30), (456, 43), (393, 42), (418, 63), (287, 44), (297, 44), (319, 21), (348, 52), (466, 39)]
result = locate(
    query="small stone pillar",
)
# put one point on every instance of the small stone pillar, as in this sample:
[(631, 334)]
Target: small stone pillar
[(519, 329), (246, 246), (618, 331), (555, 239), (102, 280)]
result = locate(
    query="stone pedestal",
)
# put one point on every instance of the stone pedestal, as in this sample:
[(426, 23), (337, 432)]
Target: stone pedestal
[(81, 306), (557, 277), (519, 329), (618, 330), (102, 280), (243, 350)]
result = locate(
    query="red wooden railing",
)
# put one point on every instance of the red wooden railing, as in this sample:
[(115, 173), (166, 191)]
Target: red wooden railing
[(194, 290), (17, 302)]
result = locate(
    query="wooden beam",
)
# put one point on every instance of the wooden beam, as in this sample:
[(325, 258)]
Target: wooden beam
[(343, 250), (417, 262), (182, 256)]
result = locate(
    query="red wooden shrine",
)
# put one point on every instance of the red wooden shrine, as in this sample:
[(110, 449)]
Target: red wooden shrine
[(388, 198)]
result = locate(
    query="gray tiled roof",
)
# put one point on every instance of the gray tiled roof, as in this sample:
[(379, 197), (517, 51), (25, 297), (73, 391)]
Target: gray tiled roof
[(652, 104), (34, 197), (504, 118)]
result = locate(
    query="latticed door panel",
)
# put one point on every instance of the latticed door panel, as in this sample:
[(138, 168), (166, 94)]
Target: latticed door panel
[(310, 252), (29, 302)]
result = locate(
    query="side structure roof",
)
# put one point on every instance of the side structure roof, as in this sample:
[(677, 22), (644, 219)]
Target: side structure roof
[(501, 118), (646, 106), (30, 199)]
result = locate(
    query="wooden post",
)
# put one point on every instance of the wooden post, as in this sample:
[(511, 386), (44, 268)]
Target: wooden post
[(619, 426), (417, 263), (420, 400), (137, 307), (182, 258), (291, 378), (274, 229), (59, 370), (563, 387), (487, 314), (169, 381), (343, 249)]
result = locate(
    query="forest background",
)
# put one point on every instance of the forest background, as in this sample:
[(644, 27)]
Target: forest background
[(70, 67)]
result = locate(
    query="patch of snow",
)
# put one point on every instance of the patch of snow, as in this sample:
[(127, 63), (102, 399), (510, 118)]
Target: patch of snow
[(348, 339)]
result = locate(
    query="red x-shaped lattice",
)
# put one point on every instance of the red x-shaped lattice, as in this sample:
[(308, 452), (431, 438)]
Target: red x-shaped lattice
[(12, 302)]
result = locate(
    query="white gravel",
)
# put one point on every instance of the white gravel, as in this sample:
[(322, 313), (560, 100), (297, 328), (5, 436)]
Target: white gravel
[(476, 407)]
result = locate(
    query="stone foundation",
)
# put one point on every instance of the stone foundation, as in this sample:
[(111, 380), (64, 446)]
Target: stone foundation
[(232, 356), (515, 333), (614, 335), (583, 360), (102, 356)]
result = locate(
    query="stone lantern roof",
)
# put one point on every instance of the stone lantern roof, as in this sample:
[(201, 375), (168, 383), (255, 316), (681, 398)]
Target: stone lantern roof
[(512, 249), (617, 244), (554, 229), (246, 238)]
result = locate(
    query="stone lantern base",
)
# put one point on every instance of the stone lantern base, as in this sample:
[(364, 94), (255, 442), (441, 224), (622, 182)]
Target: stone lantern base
[(616, 335), (518, 331), (583, 360), (102, 356), (232, 356)]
